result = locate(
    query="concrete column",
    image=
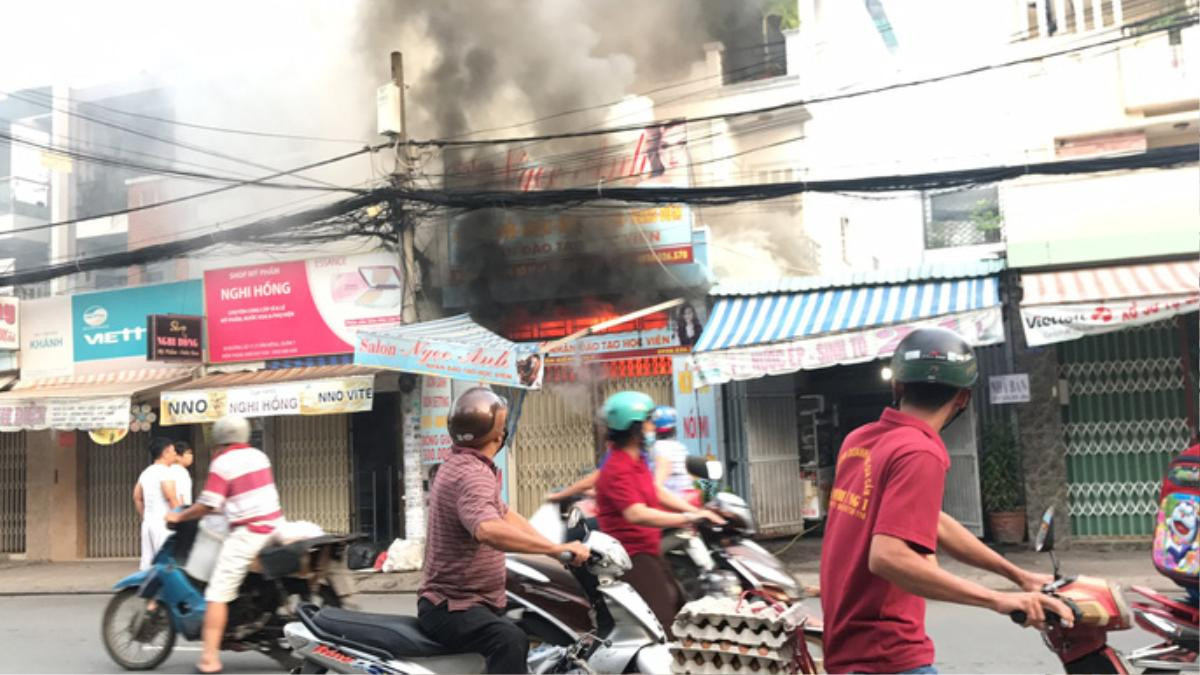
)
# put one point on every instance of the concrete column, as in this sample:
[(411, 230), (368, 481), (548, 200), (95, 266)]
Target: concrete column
[(1043, 451), (713, 55), (56, 497), (61, 186), (795, 48)]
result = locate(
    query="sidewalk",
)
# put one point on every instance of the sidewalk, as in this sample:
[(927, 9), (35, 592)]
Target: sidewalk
[(98, 577), (1125, 567)]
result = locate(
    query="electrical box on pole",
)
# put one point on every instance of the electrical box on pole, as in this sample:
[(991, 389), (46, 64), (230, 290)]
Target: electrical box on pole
[(387, 110)]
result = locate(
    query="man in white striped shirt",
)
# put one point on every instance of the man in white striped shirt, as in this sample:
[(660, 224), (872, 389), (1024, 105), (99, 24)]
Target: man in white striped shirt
[(241, 484)]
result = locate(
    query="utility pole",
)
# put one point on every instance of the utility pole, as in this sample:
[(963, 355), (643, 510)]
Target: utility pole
[(410, 402), (404, 177)]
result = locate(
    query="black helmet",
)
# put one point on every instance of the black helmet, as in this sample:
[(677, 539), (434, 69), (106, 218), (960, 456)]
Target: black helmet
[(935, 355), (478, 417)]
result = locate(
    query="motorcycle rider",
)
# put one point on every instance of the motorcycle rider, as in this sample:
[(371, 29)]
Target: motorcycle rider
[(241, 483), (628, 503), (670, 456), (462, 594), (885, 522), (666, 457)]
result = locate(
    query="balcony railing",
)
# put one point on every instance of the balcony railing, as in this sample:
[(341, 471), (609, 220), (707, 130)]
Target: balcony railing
[(1051, 18)]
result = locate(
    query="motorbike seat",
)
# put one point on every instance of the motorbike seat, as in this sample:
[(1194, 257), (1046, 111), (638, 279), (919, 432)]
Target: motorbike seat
[(400, 636)]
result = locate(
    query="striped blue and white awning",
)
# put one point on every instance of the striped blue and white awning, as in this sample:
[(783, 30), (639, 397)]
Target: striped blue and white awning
[(743, 321)]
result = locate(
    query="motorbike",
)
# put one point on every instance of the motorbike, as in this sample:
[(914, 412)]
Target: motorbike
[(738, 562), (707, 560), (1099, 607), (1175, 622), (578, 619), (153, 607)]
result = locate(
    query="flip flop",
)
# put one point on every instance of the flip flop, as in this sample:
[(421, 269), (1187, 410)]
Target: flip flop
[(196, 669)]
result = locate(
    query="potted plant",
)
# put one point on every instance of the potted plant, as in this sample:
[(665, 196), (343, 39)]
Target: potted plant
[(1000, 479)]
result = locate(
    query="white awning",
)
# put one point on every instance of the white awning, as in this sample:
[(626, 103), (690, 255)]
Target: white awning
[(1070, 304), (87, 402)]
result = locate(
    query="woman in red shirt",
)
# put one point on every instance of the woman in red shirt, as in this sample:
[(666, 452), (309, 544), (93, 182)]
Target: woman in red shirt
[(629, 503)]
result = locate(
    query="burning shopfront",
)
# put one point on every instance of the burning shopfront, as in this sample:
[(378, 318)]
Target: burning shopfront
[(539, 276)]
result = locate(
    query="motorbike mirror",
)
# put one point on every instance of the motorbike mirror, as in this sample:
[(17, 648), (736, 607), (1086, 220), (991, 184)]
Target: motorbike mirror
[(715, 470), (1045, 536), (702, 468)]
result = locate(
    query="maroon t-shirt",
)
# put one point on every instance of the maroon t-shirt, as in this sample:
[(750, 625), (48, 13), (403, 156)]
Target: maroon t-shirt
[(890, 477), (460, 570), (625, 481)]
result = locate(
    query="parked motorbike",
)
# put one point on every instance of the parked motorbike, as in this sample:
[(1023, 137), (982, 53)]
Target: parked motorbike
[(151, 608), (554, 606), (1099, 608), (1175, 621)]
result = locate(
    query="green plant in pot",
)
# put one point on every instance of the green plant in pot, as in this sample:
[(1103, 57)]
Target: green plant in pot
[(1000, 478)]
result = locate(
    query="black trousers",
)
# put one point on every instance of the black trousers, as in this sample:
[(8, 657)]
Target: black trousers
[(477, 629)]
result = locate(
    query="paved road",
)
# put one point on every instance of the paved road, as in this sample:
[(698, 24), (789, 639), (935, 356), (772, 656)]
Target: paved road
[(61, 634)]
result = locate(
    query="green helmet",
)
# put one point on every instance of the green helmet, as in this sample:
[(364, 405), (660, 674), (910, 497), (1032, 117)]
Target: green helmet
[(624, 409), (935, 355)]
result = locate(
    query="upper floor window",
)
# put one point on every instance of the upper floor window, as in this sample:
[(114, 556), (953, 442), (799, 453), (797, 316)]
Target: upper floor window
[(968, 217)]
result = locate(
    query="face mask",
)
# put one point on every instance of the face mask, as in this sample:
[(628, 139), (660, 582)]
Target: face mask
[(504, 440), (648, 439)]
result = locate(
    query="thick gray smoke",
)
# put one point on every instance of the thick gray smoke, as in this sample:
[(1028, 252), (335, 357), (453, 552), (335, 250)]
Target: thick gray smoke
[(311, 67), (479, 65)]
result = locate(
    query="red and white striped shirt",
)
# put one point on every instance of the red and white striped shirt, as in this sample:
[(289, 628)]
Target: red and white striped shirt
[(240, 480)]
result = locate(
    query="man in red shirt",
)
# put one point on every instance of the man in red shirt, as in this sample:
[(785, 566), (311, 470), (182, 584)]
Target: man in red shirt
[(628, 503), (462, 596), (885, 522)]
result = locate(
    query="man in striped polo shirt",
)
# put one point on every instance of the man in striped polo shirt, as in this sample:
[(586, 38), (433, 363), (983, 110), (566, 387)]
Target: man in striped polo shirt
[(241, 484)]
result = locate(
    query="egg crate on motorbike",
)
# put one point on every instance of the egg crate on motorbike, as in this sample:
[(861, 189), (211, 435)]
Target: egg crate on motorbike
[(725, 632), (728, 635), (719, 661)]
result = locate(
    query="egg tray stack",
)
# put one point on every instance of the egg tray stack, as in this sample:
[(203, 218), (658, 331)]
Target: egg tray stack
[(730, 636)]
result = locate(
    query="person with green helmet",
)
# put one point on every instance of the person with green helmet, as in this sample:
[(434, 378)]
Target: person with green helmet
[(634, 509), (885, 522)]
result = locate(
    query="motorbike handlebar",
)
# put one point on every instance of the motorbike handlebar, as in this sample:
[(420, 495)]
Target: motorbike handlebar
[(566, 557), (1021, 618)]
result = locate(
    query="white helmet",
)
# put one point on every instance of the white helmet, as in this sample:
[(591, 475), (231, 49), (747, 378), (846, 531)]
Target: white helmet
[(231, 429)]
